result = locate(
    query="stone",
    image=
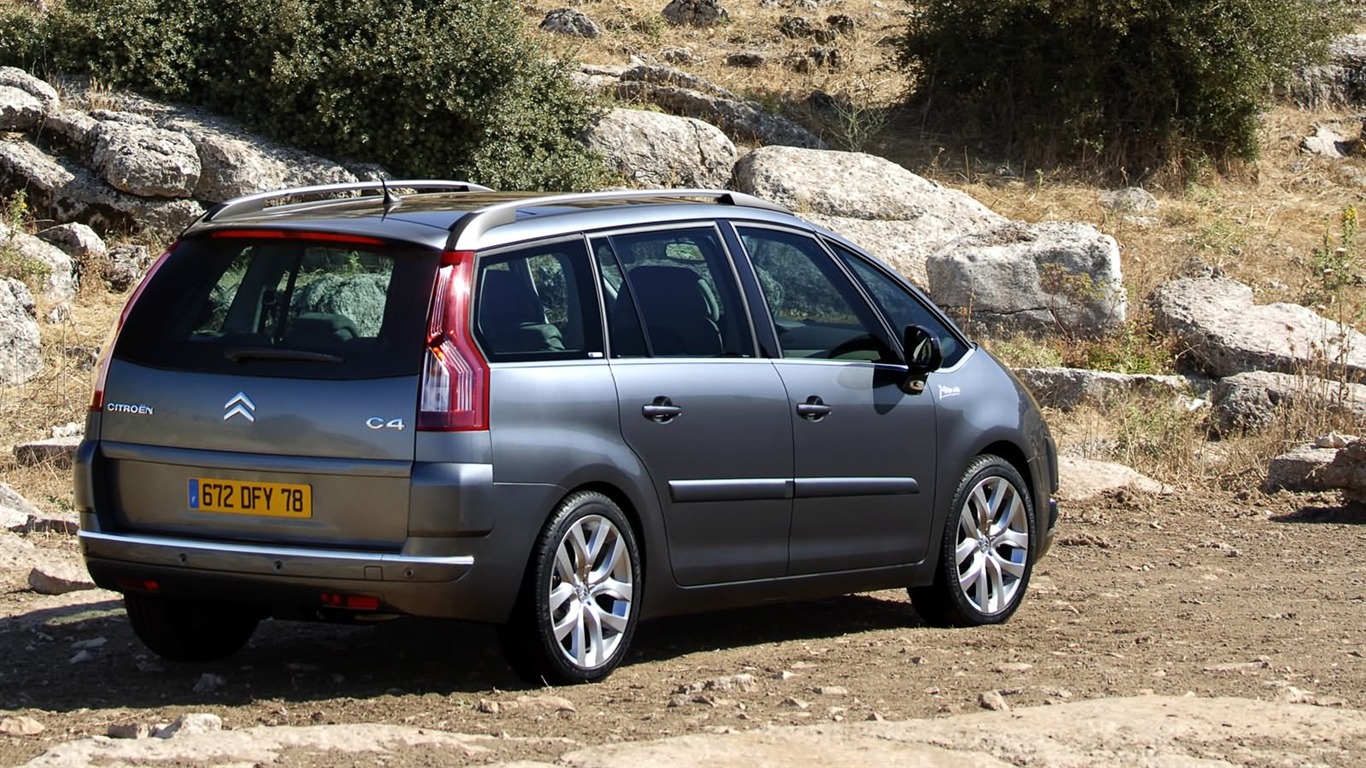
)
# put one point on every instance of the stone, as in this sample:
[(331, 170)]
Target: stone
[(697, 13), (687, 96), (1128, 200), (19, 110), (21, 726), (74, 126), (128, 731), (55, 452), (651, 149), (831, 690), (796, 26), (993, 701), (145, 160), (20, 343), (78, 241), (59, 577), (17, 78), (1327, 142), (191, 724), (81, 657), (1341, 81), (1226, 332), (1082, 479), (1255, 400), (1069, 388), (1032, 278), (1296, 469), (893, 213), (546, 703), (15, 510), (58, 274), (570, 22), (207, 683), (1346, 472)]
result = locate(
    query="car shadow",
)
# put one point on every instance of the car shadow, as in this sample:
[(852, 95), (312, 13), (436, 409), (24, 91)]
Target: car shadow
[(86, 656), (1349, 513)]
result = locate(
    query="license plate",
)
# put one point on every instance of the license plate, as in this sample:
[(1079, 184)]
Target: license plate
[(250, 498)]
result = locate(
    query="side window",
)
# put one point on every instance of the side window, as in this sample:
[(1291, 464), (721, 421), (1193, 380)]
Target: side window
[(898, 304), (537, 304), (672, 293), (816, 311)]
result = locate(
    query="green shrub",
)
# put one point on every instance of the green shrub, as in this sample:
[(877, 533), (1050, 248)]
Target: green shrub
[(423, 87), (1133, 85)]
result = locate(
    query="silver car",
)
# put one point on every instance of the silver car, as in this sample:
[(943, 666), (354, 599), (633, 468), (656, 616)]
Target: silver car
[(557, 414)]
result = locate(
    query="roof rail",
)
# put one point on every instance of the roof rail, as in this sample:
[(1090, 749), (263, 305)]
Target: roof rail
[(478, 222), (255, 203)]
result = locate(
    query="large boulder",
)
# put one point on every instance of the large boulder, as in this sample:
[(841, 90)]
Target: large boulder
[(1259, 399), (697, 13), (1341, 81), (66, 192), (20, 350), (571, 23), (52, 263), (1226, 332), (1069, 388), (1346, 472), (19, 110), (652, 149), (687, 96), (883, 207), (1032, 278), (146, 161), (17, 78)]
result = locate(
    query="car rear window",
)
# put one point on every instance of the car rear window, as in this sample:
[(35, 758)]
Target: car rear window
[(294, 308)]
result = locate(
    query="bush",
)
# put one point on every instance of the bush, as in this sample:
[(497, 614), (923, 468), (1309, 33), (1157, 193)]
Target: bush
[(423, 87), (1133, 86)]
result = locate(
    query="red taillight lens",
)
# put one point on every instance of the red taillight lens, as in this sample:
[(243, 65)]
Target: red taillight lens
[(454, 394), (102, 369)]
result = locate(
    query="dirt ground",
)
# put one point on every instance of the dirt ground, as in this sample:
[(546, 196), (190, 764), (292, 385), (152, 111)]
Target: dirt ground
[(1252, 596)]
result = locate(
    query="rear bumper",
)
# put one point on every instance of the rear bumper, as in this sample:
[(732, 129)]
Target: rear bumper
[(288, 579)]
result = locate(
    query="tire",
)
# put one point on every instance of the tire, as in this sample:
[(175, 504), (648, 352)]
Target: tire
[(578, 606), (184, 631), (987, 552)]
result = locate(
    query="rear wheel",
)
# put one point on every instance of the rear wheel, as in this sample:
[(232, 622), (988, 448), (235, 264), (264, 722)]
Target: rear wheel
[(987, 553), (184, 631), (577, 611)]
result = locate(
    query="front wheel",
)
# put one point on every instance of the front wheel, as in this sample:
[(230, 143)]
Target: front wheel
[(987, 553), (578, 607)]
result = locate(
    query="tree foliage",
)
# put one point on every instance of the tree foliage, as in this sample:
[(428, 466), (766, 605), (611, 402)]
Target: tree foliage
[(1138, 85), (423, 87)]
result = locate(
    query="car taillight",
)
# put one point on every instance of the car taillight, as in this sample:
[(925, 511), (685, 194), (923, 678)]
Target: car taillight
[(107, 349), (454, 393)]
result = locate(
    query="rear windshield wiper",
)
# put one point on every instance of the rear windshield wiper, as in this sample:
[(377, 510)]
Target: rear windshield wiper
[(243, 354)]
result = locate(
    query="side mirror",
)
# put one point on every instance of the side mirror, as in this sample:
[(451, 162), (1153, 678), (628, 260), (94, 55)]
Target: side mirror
[(923, 357)]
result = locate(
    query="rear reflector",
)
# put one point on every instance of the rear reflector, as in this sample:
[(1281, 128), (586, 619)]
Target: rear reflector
[(353, 602), (128, 584)]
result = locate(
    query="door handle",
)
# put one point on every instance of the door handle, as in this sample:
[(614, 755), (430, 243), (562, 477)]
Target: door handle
[(662, 410), (814, 409)]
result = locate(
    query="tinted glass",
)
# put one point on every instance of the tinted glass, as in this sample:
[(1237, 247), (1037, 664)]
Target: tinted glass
[(816, 311), (899, 305), (289, 308), (678, 287), (537, 304)]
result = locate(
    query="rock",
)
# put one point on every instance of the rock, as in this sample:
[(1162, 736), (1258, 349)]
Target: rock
[(78, 241), (125, 265), (746, 60), (681, 94), (207, 683), (191, 724), (58, 275), (1346, 472), (841, 23), (741, 682), (1297, 469), (1227, 333), (56, 452), (1327, 142), (72, 125), (1081, 479), (21, 726), (488, 707), (831, 690), (91, 644), (145, 160), (58, 577), (547, 703), (1339, 82), (1259, 399), (33, 86), (1128, 200), (81, 657), (1068, 388), (128, 731), (993, 701), (65, 192), (679, 56), (64, 523), (1032, 278), (895, 214), (236, 163), (567, 21), (20, 344), (15, 510), (796, 26), (697, 13), (796, 703), (656, 150), (19, 110)]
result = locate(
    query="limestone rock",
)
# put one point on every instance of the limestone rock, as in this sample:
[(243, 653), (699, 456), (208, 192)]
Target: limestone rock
[(58, 577), (57, 452), (15, 510), (124, 266), (55, 265), (20, 344), (1327, 142), (1068, 388), (191, 724), (697, 13), (19, 110), (1297, 469), (656, 150), (145, 160), (1346, 472), (1259, 399), (1128, 200), (1032, 278), (1228, 333), (73, 125), (1081, 479), (17, 78), (20, 726), (1339, 82), (570, 22), (895, 214)]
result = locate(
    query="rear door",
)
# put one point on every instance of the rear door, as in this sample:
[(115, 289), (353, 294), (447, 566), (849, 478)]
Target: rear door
[(865, 453), (266, 389), (706, 416)]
